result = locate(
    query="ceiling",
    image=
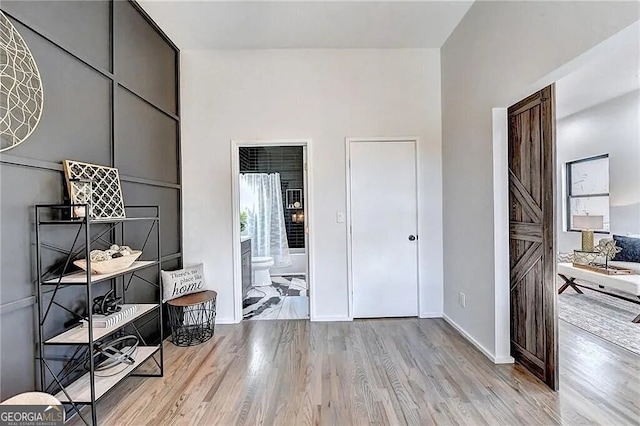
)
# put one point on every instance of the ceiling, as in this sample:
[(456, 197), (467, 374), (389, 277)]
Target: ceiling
[(300, 24), (603, 77)]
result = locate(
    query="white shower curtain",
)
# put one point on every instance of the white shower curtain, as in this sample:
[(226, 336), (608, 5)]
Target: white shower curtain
[(261, 199)]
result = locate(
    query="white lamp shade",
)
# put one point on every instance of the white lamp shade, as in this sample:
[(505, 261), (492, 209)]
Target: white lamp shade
[(588, 222)]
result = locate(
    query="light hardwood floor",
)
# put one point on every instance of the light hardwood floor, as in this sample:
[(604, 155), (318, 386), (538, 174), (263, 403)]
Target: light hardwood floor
[(381, 372)]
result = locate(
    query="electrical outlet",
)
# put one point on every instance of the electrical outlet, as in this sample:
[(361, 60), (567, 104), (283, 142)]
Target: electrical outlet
[(340, 217), (462, 300)]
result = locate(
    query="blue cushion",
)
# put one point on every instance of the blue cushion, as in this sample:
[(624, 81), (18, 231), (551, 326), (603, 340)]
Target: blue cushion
[(630, 249)]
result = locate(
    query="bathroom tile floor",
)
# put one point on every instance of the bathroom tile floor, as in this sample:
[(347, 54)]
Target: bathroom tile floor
[(285, 298)]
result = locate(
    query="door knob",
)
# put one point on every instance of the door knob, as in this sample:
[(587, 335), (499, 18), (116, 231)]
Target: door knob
[(412, 237)]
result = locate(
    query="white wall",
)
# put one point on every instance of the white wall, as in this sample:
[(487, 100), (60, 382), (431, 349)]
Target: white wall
[(613, 128), (497, 55), (325, 95)]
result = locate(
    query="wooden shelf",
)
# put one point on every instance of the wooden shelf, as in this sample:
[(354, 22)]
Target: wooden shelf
[(80, 278), (80, 390), (80, 335)]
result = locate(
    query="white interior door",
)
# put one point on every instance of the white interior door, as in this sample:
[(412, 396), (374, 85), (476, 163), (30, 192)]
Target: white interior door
[(383, 216)]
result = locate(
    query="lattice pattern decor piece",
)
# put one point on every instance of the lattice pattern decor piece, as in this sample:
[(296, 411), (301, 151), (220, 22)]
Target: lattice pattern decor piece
[(106, 192), (21, 95)]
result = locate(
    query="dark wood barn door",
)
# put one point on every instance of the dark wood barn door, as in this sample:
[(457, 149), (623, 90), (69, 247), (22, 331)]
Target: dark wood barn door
[(531, 235)]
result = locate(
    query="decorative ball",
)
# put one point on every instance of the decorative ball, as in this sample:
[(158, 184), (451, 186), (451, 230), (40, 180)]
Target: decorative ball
[(98, 256), (115, 247)]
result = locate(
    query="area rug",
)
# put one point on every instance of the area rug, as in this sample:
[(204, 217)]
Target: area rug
[(605, 316), (285, 298)]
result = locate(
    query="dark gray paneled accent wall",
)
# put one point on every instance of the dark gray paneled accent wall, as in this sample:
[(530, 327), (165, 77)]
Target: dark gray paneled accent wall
[(110, 80), (289, 162)]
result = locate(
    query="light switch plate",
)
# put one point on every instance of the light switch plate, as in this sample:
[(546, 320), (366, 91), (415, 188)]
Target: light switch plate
[(462, 300), (340, 217)]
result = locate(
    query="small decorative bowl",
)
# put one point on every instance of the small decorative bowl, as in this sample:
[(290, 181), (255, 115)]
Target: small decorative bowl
[(110, 266)]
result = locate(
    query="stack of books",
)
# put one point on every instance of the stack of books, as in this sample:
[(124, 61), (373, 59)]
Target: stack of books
[(104, 321)]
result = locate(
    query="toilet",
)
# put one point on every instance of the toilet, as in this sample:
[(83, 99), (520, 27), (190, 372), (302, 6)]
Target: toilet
[(260, 267)]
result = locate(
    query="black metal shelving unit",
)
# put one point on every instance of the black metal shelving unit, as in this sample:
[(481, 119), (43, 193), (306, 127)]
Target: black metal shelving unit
[(76, 384)]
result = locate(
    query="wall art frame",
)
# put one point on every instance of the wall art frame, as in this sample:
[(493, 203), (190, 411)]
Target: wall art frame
[(106, 192), (21, 92)]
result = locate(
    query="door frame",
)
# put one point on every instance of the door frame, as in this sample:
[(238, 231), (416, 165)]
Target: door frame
[(501, 188), (348, 142), (235, 207)]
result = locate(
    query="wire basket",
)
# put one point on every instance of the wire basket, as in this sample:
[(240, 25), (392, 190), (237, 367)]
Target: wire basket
[(193, 322)]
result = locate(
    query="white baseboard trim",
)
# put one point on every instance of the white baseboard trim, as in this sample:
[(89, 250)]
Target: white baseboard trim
[(504, 360), (474, 342), (431, 315), (331, 319)]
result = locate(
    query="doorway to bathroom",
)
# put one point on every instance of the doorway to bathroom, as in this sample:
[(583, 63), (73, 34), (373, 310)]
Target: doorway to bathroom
[(272, 277)]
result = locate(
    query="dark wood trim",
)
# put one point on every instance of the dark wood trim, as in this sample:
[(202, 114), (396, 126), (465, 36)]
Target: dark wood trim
[(193, 298), (549, 235), (531, 234), (524, 265), (526, 231), (525, 104), (520, 192), (530, 363)]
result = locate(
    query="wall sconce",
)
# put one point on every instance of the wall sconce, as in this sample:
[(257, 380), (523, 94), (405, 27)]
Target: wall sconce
[(297, 217)]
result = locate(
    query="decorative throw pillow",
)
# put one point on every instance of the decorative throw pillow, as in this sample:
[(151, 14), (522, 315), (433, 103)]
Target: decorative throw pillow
[(630, 249), (564, 257), (182, 282)]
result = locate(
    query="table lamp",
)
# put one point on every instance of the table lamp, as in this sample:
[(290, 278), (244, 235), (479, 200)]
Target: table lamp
[(587, 224)]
